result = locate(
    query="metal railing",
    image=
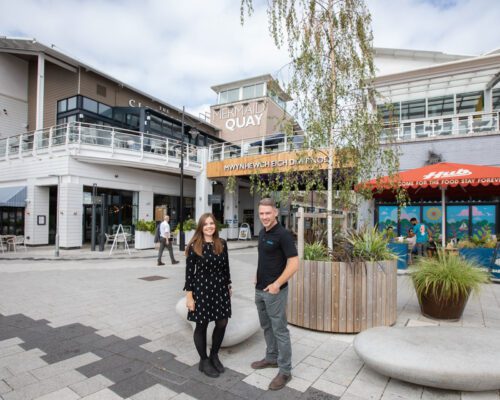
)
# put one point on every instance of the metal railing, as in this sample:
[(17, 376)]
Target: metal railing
[(428, 128), (115, 140), (442, 126)]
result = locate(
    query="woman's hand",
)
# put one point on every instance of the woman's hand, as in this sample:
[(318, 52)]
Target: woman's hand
[(190, 303)]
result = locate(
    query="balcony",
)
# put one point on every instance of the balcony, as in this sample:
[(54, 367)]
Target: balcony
[(103, 144), (452, 126), (442, 127)]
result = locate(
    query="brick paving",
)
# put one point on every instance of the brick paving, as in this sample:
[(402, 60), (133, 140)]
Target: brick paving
[(90, 327)]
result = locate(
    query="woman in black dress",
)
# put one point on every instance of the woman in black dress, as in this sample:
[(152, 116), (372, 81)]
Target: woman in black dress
[(208, 291)]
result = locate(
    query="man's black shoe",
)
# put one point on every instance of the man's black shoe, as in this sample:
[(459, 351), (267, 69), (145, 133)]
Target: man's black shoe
[(175, 262), (160, 263)]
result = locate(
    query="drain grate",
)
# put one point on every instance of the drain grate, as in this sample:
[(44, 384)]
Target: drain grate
[(153, 278)]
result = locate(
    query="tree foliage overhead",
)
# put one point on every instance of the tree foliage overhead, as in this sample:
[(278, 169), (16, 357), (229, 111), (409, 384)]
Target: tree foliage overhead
[(330, 77)]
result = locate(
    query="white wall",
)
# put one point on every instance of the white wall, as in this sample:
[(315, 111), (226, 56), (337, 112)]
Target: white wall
[(38, 204), (13, 95), (70, 213), (146, 205)]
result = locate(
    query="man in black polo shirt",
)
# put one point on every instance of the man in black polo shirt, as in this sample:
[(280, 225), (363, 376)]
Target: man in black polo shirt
[(278, 261)]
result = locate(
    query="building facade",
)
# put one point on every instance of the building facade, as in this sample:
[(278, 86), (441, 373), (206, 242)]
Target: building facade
[(72, 137)]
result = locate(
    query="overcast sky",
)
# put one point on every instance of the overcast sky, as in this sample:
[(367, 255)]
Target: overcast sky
[(176, 50)]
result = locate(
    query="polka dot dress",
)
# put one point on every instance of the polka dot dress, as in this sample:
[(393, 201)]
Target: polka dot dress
[(208, 278)]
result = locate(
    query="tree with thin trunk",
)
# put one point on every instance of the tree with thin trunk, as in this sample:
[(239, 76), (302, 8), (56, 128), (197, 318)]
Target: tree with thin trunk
[(330, 77)]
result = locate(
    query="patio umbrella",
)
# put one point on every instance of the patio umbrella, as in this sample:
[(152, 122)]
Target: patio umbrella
[(443, 176)]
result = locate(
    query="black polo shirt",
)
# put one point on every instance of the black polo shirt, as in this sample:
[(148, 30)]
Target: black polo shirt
[(276, 246)]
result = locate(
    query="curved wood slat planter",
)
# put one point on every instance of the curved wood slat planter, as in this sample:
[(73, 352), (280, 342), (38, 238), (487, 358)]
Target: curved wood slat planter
[(340, 297)]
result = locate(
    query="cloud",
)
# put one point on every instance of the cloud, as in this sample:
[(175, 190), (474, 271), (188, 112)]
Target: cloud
[(177, 50)]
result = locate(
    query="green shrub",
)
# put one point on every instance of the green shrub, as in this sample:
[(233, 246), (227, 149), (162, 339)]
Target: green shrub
[(221, 226), (316, 251), (146, 226), (447, 276), (370, 245), (188, 225)]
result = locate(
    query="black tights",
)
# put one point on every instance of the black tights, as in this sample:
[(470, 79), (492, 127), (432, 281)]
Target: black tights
[(200, 337)]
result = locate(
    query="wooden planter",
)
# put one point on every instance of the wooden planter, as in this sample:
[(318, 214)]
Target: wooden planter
[(341, 297)]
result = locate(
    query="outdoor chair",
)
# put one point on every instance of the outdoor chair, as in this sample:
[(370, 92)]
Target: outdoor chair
[(16, 241), (109, 239)]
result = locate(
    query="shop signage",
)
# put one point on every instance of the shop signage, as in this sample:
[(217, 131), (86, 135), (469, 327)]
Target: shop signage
[(241, 116), (452, 181), (287, 162), (268, 163), (447, 174)]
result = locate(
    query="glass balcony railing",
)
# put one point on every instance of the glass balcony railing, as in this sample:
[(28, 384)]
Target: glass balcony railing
[(443, 126), (74, 135)]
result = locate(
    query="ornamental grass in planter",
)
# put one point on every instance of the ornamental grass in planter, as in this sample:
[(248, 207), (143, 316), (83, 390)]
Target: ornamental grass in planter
[(444, 283), (349, 288)]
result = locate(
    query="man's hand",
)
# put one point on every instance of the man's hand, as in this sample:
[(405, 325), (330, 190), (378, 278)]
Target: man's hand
[(273, 288)]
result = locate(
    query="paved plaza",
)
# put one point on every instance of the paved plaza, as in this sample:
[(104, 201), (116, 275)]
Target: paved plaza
[(89, 326)]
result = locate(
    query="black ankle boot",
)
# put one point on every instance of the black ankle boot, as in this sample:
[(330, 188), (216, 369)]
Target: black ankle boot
[(214, 359), (208, 369)]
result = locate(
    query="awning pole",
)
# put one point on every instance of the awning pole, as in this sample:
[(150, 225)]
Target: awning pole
[(443, 217)]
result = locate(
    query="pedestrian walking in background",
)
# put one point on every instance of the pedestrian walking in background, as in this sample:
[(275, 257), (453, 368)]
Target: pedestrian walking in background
[(208, 291), (166, 241), (278, 261)]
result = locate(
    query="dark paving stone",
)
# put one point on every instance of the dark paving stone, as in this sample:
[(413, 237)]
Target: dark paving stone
[(246, 391), (201, 391), (103, 342), (285, 393), (103, 366), (315, 394), (167, 377), (56, 352), (134, 385), (72, 331), (125, 345), (156, 358), (126, 371)]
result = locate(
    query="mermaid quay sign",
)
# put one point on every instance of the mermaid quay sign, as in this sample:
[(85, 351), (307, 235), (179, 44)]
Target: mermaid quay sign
[(241, 116), (265, 164)]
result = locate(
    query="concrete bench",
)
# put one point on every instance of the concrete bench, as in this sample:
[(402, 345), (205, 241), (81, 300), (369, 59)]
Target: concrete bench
[(438, 356), (243, 323)]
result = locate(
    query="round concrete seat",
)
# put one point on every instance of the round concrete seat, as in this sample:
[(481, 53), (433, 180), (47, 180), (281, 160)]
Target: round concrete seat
[(243, 323), (442, 357)]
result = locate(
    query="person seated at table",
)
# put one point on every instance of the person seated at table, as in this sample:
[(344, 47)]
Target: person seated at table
[(411, 239)]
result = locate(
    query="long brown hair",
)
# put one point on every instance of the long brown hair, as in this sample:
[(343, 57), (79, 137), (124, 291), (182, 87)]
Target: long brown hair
[(198, 239)]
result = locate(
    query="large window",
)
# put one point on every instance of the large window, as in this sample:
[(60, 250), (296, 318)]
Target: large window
[(470, 102), (11, 221), (387, 216), (90, 105), (252, 91), (413, 109), (407, 213), (496, 99), (229, 96), (66, 104), (389, 112), (438, 106), (483, 219)]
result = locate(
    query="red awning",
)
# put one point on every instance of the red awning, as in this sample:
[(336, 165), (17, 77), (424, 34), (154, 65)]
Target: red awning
[(440, 175)]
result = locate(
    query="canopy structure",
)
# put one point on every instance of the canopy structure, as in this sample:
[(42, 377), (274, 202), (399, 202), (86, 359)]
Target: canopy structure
[(463, 180), (13, 196)]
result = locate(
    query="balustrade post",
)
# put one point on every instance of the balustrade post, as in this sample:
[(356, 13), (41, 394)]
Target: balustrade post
[(21, 145), (35, 142), (112, 140), (222, 152), (50, 138), (67, 134), (142, 146), (7, 148), (470, 122)]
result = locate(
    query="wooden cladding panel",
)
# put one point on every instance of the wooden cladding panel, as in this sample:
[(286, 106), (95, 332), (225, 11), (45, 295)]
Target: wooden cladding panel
[(338, 297)]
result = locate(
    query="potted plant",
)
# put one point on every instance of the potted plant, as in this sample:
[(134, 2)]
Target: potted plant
[(222, 229), (443, 284), (347, 289), (480, 248), (189, 226), (145, 234)]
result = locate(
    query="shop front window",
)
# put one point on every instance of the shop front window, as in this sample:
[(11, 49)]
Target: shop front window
[(387, 216), (457, 222)]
